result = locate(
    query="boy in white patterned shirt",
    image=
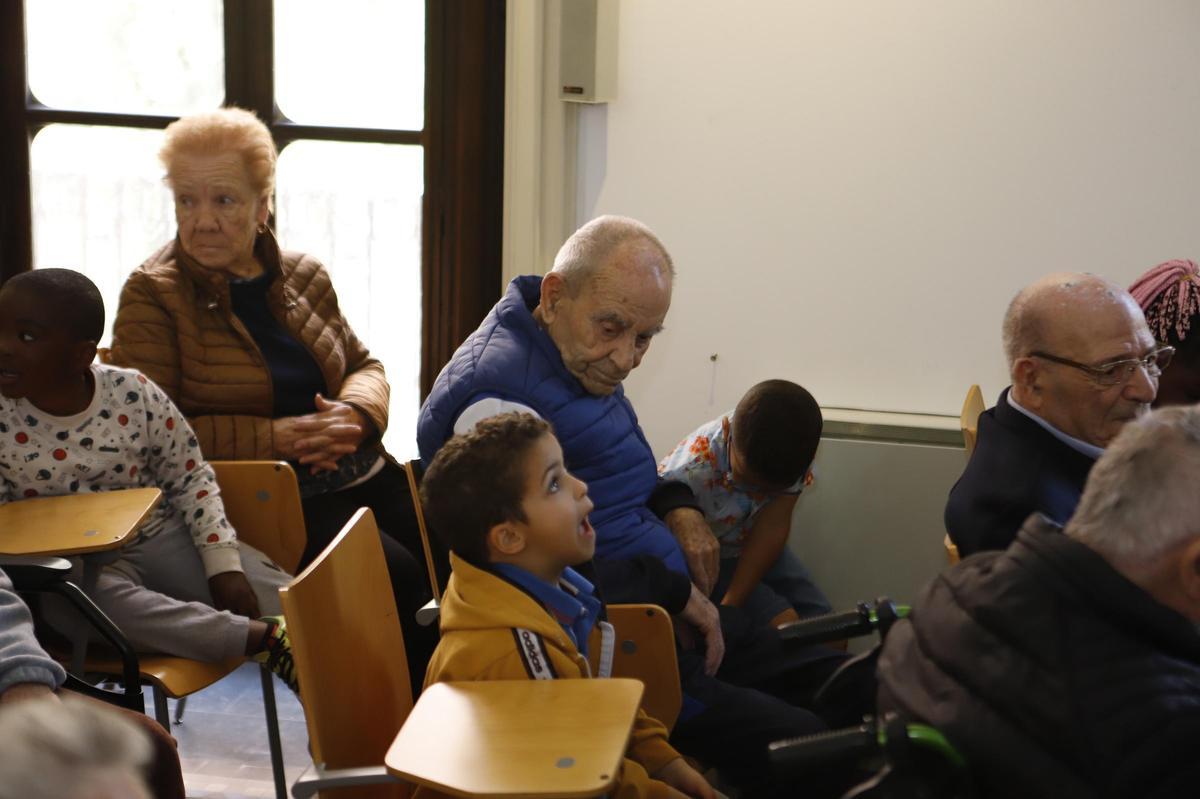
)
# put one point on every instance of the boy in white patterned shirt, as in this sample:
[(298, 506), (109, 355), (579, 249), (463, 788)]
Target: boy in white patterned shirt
[(184, 585), (747, 469)]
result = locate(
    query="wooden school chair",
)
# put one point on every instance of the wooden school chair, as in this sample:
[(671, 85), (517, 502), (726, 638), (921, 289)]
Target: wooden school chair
[(471, 739), (262, 502), (91, 526), (968, 422), (644, 650), (411, 470), (348, 652)]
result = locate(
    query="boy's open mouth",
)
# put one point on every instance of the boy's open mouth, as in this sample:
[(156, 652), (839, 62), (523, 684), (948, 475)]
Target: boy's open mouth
[(585, 528), (9, 376)]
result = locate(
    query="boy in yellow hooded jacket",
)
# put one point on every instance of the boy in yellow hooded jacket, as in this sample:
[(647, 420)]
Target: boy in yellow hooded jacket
[(516, 522)]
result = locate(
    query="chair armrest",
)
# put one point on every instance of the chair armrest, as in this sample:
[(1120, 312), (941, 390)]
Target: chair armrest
[(428, 613), (34, 572)]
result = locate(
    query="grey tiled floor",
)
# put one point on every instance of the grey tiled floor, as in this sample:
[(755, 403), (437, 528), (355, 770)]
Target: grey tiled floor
[(223, 738)]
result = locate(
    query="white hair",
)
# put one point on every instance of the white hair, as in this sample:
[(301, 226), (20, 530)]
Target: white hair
[(590, 247), (74, 749), (1141, 501)]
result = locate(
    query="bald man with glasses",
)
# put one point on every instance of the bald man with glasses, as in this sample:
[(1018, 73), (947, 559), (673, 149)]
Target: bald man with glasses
[(1083, 363)]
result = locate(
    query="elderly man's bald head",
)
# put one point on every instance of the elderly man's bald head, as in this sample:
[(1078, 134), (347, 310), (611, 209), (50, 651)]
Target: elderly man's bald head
[(598, 243), (1056, 311), (605, 299), (1060, 333)]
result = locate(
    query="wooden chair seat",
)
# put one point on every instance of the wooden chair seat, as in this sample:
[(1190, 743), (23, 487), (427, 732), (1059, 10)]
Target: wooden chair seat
[(176, 677)]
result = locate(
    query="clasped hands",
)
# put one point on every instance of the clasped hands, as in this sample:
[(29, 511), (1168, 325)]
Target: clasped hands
[(319, 439)]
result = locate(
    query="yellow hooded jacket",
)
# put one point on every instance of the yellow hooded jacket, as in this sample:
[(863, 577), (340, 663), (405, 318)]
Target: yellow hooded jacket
[(479, 613)]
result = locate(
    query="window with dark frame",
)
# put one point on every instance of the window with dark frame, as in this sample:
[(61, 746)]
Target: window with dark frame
[(459, 153)]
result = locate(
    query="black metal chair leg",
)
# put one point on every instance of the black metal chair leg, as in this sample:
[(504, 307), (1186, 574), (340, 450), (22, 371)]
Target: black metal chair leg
[(273, 741), (161, 713)]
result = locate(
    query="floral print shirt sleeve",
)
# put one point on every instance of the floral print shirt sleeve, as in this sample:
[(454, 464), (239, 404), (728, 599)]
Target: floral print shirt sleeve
[(702, 461)]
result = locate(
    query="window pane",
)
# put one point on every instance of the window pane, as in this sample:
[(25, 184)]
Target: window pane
[(99, 203), (359, 64), (127, 56), (357, 208)]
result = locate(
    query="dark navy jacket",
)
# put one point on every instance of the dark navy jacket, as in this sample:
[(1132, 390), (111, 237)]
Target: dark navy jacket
[(510, 357), (1017, 468)]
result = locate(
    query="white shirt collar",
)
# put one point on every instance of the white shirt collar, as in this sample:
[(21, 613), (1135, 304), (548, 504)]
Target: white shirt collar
[(1082, 447)]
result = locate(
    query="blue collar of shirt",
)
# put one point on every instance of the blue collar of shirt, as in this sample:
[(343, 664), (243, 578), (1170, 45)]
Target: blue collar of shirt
[(572, 603), (1082, 447)]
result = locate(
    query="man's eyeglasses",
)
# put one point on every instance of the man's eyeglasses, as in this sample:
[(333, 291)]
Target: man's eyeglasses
[(1115, 373)]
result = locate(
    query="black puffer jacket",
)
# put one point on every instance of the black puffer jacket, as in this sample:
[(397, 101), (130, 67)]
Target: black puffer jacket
[(1052, 673)]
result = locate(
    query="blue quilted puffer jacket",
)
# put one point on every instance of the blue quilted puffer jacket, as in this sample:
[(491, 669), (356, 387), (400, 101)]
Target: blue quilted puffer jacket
[(510, 357)]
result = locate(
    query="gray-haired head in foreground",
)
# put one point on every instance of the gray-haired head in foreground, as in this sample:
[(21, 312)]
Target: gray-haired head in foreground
[(1141, 500), (74, 749), (591, 247)]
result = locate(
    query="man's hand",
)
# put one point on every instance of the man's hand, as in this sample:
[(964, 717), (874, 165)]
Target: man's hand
[(28, 690), (703, 615), (320, 439), (685, 779), (231, 591), (700, 546)]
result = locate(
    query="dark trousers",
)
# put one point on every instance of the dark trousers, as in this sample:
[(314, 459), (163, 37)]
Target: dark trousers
[(388, 497), (760, 694)]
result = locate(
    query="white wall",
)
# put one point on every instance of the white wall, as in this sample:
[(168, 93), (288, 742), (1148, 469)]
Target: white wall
[(853, 191)]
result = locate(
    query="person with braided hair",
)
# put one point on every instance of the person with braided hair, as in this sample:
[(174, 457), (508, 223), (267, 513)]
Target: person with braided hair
[(1170, 298)]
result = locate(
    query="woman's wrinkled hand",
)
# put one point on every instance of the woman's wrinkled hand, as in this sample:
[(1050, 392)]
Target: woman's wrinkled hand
[(319, 439)]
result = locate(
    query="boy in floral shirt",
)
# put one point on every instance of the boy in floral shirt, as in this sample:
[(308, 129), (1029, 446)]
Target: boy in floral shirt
[(747, 468)]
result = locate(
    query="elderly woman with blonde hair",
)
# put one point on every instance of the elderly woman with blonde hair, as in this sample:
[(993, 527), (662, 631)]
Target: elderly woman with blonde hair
[(249, 342)]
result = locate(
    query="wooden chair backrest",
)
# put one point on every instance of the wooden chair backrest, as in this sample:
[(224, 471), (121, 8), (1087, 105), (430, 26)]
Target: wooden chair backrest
[(410, 471), (645, 650), (968, 420), (262, 502), (349, 653), (952, 556)]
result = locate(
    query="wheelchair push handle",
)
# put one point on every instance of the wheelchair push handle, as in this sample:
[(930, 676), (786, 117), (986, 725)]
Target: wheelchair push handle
[(867, 617), (830, 627), (808, 751)]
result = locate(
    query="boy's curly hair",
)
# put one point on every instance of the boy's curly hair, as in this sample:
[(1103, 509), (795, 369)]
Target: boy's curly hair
[(477, 480)]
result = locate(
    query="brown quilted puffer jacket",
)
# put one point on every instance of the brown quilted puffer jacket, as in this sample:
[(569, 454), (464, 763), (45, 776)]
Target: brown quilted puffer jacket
[(175, 323)]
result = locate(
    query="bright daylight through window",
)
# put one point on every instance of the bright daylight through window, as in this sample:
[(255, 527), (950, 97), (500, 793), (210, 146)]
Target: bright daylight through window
[(99, 203)]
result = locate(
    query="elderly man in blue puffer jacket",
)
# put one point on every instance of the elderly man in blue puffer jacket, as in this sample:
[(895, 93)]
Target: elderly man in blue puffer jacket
[(559, 347)]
